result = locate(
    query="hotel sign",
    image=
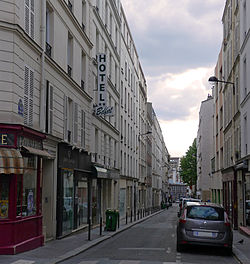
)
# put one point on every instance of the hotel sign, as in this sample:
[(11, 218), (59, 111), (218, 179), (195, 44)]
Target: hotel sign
[(101, 108), (7, 139)]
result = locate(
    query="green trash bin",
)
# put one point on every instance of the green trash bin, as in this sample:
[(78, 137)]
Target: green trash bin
[(111, 220)]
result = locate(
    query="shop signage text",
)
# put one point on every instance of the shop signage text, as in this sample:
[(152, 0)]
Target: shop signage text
[(7, 139), (102, 108)]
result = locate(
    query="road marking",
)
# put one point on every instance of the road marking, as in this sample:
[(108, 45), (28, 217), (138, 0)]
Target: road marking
[(158, 249), (168, 250), (173, 235), (23, 261), (130, 262), (89, 262)]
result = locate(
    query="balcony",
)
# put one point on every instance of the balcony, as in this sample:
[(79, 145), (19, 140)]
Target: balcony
[(69, 136), (70, 6), (48, 49), (69, 71), (82, 85)]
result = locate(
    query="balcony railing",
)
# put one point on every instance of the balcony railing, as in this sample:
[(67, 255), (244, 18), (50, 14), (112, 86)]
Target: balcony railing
[(69, 136), (70, 6), (69, 71), (82, 85), (83, 27), (48, 49)]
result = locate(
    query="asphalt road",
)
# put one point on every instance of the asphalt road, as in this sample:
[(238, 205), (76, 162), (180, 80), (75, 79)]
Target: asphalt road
[(150, 242)]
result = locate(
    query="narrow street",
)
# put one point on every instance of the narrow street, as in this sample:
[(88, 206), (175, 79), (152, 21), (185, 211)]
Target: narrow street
[(152, 241)]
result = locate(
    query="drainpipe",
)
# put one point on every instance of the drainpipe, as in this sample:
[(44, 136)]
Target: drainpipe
[(42, 81)]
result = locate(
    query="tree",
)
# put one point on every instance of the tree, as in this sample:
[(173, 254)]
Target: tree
[(189, 166)]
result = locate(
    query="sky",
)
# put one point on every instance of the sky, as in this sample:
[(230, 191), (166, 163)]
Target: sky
[(178, 42)]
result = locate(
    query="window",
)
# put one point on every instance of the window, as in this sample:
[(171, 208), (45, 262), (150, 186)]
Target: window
[(27, 188), (70, 55), (83, 71), (4, 195), (49, 30), (83, 132), (29, 15), (28, 96), (84, 12), (49, 108)]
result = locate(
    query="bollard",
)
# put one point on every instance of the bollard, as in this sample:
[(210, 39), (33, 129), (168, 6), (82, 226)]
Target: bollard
[(126, 218), (131, 216), (100, 226), (118, 220)]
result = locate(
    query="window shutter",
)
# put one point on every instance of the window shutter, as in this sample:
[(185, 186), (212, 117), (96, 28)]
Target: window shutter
[(32, 19), (75, 122), (82, 129), (27, 15), (51, 99), (65, 116), (26, 95)]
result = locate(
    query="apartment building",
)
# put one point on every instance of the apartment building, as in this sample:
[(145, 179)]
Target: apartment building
[(218, 136), (205, 149), (244, 81), (73, 129)]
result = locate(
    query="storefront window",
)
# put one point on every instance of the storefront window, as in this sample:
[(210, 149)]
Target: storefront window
[(19, 195), (4, 195), (82, 194), (29, 186), (68, 201)]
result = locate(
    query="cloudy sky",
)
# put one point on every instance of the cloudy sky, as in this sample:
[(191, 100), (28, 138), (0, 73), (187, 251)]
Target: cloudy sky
[(178, 42)]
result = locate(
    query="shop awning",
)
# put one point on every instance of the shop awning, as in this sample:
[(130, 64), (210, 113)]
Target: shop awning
[(11, 161), (100, 172), (38, 152)]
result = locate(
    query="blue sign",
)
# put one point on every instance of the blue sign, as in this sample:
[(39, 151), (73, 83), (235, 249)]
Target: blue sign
[(20, 107)]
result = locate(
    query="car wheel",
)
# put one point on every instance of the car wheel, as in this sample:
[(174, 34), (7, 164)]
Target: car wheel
[(229, 251), (179, 247)]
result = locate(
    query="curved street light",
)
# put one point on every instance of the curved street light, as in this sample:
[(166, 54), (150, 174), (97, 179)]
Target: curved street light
[(214, 79)]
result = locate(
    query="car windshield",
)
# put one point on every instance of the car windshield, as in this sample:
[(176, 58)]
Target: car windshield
[(205, 212), (247, 205)]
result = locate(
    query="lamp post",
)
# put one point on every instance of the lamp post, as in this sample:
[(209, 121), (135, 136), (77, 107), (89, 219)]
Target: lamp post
[(214, 79), (234, 212)]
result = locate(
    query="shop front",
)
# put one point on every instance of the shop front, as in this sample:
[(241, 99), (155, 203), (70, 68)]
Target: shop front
[(21, 152), (229, 180), (74, 180)]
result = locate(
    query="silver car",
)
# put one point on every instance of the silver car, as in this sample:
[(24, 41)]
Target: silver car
[(204, 224)]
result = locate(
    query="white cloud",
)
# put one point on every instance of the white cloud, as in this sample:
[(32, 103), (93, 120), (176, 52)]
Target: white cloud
[(178, 96), (179, 135)]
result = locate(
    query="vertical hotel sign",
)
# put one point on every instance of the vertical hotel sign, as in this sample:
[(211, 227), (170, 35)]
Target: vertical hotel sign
[(101, 108)]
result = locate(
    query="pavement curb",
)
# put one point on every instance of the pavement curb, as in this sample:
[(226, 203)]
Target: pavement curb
[(97, 241), (242, 258)]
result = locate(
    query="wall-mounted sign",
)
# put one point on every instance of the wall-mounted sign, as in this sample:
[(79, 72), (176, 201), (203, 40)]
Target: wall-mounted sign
[(101, 108), (20, 107), (7, 139)]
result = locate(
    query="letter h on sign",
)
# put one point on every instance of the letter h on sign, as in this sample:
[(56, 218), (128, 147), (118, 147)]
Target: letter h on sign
[(101, 60)]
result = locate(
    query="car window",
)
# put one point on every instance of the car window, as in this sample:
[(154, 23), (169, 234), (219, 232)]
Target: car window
[(247, 205), (205, 212)]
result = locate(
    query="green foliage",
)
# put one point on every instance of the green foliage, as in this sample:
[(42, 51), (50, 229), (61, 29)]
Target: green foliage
[(188, 165)]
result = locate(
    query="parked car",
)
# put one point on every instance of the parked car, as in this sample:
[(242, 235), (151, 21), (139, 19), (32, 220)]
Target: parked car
[(248, 212), (205, 224), (184, 201)]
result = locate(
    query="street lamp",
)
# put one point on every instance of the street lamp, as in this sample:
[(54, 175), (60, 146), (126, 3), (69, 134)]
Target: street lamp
[(214, 79), (144, 134)]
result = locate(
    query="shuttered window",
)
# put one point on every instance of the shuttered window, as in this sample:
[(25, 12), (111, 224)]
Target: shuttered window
[(28, 96), (83, 133), (29, 23), (49, 107)]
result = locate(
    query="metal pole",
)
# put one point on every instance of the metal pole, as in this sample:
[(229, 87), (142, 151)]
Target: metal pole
[(131, 216), (126, 217), (100, 226)]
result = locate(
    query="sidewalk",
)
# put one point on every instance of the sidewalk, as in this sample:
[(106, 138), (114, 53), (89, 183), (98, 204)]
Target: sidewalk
[(55, 251), (242, 250)]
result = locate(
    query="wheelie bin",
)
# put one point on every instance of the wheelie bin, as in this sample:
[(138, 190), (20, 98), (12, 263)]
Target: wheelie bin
[(111, 220)]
